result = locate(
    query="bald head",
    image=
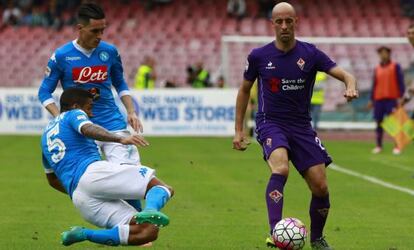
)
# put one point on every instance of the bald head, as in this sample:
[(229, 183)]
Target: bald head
[(283, 8), (284, 23)]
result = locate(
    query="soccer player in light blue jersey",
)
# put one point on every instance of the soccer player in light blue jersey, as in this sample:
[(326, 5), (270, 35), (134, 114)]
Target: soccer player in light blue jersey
[(285, 70), (95, 65), (98, 188)]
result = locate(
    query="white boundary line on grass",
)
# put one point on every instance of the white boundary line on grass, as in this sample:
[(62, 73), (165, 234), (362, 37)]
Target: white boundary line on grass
[(393, 165), (371, 179)]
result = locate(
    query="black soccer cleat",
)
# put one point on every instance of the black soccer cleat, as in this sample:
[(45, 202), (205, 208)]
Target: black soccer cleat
[(320, 244)]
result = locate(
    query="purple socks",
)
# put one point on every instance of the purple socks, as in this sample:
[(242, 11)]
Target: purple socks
[(318, 211), (274, 199)]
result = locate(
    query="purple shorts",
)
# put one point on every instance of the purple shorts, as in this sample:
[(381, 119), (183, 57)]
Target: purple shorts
[(383, 108), (304, 148)]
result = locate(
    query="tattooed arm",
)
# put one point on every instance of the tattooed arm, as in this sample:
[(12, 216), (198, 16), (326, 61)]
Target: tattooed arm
[(99, 133)]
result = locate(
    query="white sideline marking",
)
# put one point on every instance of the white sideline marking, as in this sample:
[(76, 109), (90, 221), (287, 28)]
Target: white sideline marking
[(393, 165), (371, 179)]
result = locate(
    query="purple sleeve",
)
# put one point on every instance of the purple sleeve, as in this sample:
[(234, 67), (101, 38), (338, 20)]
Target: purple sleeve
[(323, 62), (250, 72), (400, 79)]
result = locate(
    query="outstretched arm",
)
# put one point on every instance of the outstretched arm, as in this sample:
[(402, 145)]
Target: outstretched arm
[(99, 133), (240, 141), (351, 91)]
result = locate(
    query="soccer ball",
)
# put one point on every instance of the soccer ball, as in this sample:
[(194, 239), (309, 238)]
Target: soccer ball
[(289, 234)]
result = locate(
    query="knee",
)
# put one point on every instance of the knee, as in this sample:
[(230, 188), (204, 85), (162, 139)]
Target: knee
[(279, 162), (320, 189), (147, 234), (281, 167)]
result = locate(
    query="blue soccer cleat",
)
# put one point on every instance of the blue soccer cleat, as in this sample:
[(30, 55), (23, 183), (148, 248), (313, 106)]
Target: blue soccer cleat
[(75, 234)]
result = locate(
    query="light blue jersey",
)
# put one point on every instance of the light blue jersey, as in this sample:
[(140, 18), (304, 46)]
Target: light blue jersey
[(96, 70), (67, 152)]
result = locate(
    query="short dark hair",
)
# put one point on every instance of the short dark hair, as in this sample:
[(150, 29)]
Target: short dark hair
[(72, 96), (89, 11), (384, 48)]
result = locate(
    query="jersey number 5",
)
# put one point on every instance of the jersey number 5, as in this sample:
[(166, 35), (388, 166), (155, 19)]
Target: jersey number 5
[(55, 143)]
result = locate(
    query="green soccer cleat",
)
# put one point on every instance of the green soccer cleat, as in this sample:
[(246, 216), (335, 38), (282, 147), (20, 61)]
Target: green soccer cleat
[(156, 218), (320, 244), (270, 243), (75, 234)]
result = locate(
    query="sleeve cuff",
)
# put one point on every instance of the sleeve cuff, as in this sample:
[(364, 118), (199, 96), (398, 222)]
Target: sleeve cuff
[(48, 101), (124, 92), (81, 125)]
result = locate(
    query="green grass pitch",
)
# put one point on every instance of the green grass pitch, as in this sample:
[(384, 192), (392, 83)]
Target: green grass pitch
[(219, 202)]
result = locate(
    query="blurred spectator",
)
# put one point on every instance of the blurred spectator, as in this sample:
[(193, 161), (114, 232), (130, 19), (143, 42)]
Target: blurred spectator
[(170, 84), (12, 14), (318, 98), (146, 76), (35, 17), (236, 8), (221, 82), (54, 14), (407, 7), (388, 87), (198, 77), (151, 4), (265, 8)]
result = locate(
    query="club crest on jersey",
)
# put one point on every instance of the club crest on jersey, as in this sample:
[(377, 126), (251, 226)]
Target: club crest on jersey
[(94, 74), (104, 56), (275, 195), (270, 65), (301, 63), (53, 57), (47, 71)]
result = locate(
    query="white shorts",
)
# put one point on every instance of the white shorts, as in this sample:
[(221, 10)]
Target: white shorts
[(119, 153), (103, 187)]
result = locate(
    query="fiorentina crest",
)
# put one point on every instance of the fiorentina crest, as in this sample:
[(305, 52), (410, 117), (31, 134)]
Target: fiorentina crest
[(275, 195), (301, 63)]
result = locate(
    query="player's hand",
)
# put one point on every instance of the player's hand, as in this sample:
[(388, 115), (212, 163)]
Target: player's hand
[(240, 141), (136, 140), (135, 122), (351, 94)]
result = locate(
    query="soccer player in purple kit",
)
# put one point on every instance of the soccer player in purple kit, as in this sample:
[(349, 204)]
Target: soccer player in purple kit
[(285, 70)]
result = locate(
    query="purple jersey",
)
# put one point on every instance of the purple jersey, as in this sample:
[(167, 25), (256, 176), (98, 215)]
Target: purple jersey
[(285, 81)]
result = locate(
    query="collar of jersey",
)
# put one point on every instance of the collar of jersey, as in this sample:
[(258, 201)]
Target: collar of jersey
[(84, 51)]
